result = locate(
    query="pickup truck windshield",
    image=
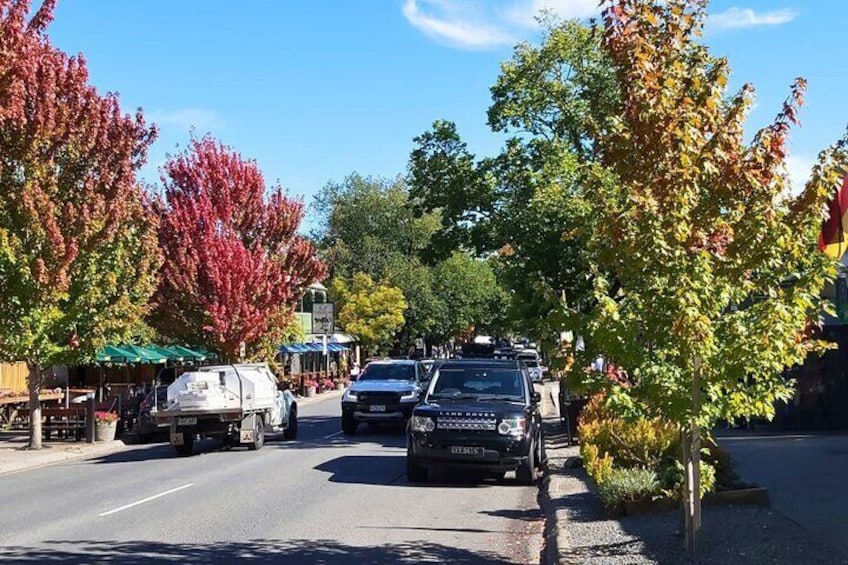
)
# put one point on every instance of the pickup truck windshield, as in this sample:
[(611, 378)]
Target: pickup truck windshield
[(376, 372), (478, 383), (529, 361)]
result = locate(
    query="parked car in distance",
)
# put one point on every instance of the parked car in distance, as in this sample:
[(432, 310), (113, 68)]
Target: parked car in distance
[(480, 414), (385, 392), (146, 428), (534, 366)]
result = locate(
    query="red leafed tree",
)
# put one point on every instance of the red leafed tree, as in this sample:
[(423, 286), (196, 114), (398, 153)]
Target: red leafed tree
[(78, 255), (234, 265)]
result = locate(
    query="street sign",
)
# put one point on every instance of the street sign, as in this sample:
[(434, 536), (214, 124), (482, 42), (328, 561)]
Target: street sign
[(323, 319)]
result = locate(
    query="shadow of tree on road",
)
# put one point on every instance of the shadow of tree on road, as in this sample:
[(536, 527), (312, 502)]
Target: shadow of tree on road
[(327, 552)]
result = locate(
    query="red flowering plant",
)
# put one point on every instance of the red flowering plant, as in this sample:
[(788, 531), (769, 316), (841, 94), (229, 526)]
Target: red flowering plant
[(105, 417)]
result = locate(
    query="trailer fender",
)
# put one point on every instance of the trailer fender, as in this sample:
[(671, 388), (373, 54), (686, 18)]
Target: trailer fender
[(247, 429)]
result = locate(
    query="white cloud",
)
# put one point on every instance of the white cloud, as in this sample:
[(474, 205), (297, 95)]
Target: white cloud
[(186, 118), (525, 13), (799, 167), (487, 24), (458, 23), (742, 18)]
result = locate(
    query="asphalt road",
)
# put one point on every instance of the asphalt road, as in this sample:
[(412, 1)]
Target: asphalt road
[(804, 475), (321, 499)]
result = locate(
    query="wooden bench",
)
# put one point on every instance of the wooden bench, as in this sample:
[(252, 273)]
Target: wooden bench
[(66, 422)]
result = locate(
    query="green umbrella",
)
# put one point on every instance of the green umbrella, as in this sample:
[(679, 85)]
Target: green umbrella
[(165, 352), (147, 355), (188, 354), (115, 354)]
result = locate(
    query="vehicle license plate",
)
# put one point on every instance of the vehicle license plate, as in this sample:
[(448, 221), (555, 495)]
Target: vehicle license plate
[(186, 421), (378, 408), (465, 450)]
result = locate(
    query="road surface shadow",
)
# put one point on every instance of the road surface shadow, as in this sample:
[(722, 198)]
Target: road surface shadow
[(390, 470), (327, 552)]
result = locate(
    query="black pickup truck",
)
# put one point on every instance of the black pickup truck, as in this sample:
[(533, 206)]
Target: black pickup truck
[(477, 414)]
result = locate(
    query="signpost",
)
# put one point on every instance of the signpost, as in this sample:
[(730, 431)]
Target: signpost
[(323, 324), (323, 318)]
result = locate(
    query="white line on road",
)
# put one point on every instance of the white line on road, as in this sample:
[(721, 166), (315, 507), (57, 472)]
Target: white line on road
[(332, 435), (148, 499)]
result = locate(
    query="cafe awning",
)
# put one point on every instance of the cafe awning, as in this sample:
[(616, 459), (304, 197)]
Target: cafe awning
[(312, 348)]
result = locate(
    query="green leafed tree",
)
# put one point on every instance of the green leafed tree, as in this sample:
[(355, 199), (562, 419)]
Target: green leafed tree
[(706, 271), (78, 253), (369, 310), (526, 207), (471, 297)]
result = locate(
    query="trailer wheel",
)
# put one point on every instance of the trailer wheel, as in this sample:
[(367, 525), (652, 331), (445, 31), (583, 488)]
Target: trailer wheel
[(187, 448), (291, 430), (259, 435)]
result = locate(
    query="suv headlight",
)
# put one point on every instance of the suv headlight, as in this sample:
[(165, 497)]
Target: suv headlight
[(512, 427), (349, 396), (422, 424)]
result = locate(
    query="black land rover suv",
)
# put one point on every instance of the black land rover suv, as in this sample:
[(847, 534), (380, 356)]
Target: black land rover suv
[(477, 414)]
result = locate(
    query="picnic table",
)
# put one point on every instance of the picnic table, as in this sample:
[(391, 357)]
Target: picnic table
[(11, 404)]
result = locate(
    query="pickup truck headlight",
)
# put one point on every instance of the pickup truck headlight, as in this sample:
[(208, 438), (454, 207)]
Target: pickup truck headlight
[(422, 424), (411, 395), (349, 396), (512, 427)]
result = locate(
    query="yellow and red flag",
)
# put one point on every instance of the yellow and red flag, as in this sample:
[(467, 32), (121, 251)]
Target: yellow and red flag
[(833, 239)]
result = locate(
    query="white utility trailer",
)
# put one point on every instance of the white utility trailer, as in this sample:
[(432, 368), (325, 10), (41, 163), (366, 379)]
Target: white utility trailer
[(235, 403)]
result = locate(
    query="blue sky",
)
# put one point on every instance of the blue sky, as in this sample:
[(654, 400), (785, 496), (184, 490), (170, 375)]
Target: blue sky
[(316, 89)]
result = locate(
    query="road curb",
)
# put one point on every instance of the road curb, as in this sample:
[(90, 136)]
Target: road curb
[(553, 486), (305, 400)]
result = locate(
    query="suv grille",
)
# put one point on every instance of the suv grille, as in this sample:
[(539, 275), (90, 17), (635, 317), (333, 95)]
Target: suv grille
[(467, 423), (379, 397)]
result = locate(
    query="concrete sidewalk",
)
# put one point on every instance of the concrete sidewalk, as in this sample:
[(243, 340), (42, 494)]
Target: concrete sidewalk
[(15, 457), (579, 530)]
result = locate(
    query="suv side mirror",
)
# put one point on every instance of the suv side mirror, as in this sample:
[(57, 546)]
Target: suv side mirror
[(536, 397)]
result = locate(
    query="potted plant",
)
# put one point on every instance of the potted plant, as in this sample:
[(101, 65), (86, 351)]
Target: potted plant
[(310, 386), (327, 384), (105, 426)]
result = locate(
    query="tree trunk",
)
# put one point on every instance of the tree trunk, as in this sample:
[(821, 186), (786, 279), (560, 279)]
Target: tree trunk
[(34, 385), (691, 457)]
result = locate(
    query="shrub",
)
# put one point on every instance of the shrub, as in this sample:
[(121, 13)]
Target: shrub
[(631, 443), (628, 485), (671, 478), (598, 466)]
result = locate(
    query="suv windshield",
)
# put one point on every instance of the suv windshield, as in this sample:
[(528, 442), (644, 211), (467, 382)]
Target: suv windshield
[(484, 383), (388, 372)]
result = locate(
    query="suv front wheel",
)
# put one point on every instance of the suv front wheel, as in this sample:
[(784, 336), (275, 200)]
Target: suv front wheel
[(526, 472), (415, 472), (349, 425)]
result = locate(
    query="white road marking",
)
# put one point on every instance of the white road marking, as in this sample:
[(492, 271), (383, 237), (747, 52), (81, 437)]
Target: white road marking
[(148, 499), (332, 435)]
